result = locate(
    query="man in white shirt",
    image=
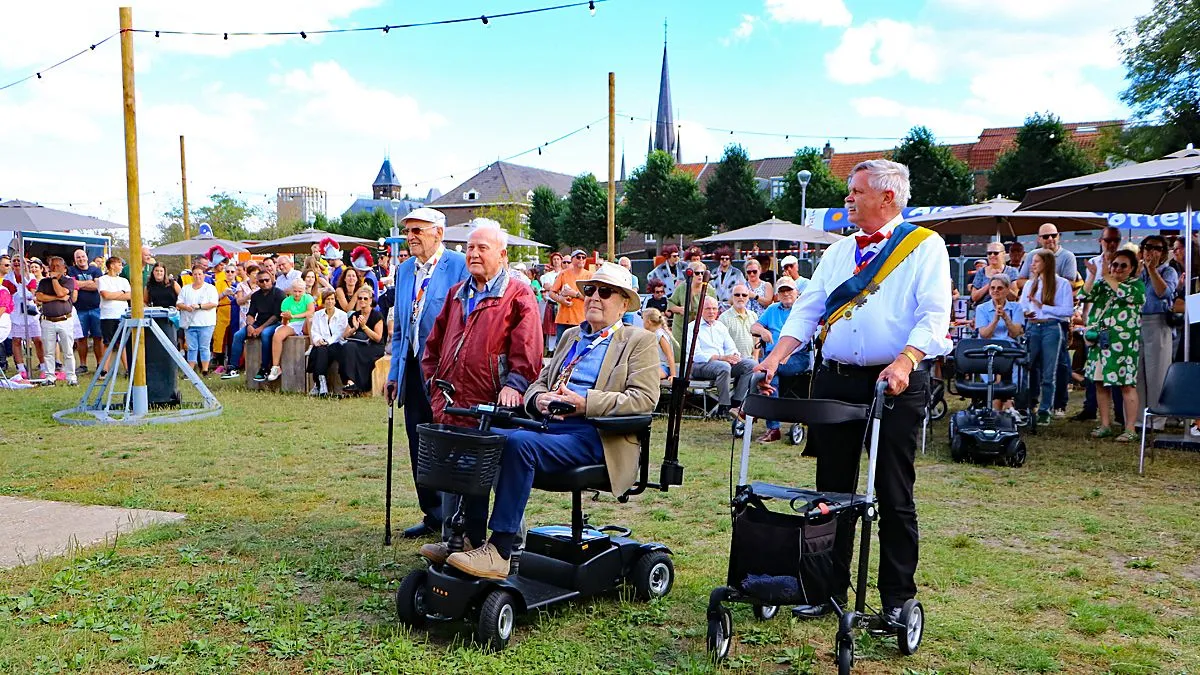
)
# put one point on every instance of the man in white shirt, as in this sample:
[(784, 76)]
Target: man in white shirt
[(884, 332), (288, 274), (716, 358)]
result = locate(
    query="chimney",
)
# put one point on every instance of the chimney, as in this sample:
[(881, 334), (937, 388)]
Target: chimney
[(827, 153)]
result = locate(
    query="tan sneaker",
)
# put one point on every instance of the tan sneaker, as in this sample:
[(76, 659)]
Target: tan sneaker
[(484, 562), (437, 553)]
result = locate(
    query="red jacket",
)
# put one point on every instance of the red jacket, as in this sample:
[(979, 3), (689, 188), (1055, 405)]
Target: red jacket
[(500, 344)]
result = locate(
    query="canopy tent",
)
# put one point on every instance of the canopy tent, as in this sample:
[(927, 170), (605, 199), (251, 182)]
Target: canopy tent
[(998, 216), (199, 246), (302, 242), (458, 234), (19, 216), (774, 229)]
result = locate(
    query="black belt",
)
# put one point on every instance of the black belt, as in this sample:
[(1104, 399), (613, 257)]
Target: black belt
[(848, 370), (56, 319)]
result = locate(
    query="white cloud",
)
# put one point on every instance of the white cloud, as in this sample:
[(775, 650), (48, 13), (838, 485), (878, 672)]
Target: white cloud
[(824, 12), (1095, 12), (943, 123), (742, 31), (883, 48)]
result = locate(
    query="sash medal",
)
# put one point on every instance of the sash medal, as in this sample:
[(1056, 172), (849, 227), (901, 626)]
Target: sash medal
[(573, 359), (419, 294)]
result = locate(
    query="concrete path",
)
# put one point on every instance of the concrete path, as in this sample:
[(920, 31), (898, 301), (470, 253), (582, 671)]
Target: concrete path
[(33, 529)]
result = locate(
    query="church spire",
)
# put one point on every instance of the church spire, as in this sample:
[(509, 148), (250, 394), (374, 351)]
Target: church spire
[(664, 128)]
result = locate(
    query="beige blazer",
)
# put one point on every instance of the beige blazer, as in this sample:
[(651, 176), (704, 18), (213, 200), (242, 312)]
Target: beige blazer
[(628, 384)]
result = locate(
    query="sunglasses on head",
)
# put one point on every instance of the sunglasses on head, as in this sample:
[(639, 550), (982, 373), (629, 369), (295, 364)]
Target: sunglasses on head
[(590, 289)]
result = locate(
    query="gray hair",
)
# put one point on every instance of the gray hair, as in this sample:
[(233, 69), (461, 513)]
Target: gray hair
[(491, 226), (1002, 278), (884, 174)]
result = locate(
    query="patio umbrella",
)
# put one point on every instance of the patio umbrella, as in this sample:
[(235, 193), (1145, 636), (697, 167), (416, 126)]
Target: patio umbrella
[(997, 216), (199, 246), (774, 229), (457, 234), (302, 242), (1164, 185), (19, 216)]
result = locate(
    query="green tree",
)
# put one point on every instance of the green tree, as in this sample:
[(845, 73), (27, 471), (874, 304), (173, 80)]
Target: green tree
[(228, 216), (545, 214), (585, 219), (1044, 153), (513, 219), (661, 199), (825, 191), (732, 199), (938, 178)]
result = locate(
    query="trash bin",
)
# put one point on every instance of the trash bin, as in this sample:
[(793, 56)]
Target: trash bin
[(162, 384)]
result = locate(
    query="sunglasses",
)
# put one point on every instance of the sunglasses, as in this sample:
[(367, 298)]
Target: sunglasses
[(418, 230), (264, 281), (1048, 236), (751, 271), (994, 252), (1110, 240), (590, 289), (1119, 266), (741, 295), (725, 257)]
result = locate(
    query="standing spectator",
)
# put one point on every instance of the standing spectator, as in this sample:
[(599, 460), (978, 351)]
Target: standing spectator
[(675, 304), (26, 318), (670, 272), (363, 344), (717, 359), (790, 267), (56, 294), (348, 285), (549, 328), (726, 276), (316, 262), (657, 299), (87, 308), (147, 265), (791, 378), (761, 292), (1065, 267), (1110, 241), (1016, 254), (361, 260), (654, 321), (401, 255), (294, 311), (326, 332), (739, 320), (625, 262), (1047, 303), (198, 301), (1159, 280), (565, 291), (161, 291), (422, 285), (1116, 324), (6, 312), (331, 253), (287, 273), (996, 264), (262, 321), (768, 273), (114, 302)]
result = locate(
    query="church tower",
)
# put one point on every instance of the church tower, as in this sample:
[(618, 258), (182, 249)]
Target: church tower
[(664, 127)]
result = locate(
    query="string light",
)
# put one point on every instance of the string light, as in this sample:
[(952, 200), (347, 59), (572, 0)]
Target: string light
[(592, 7), (38, 74), (484, 20)]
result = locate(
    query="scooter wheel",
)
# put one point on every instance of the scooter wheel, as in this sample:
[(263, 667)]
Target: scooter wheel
[(653, 575), (410, 599), (497, 619), (912, 627), (958, 449), (765, 612), (720, 635), (845, 655), (796, 434), (937, 411), (1016, 454)]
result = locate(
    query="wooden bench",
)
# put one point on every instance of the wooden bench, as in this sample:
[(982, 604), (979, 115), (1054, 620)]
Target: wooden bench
[(293, 362)]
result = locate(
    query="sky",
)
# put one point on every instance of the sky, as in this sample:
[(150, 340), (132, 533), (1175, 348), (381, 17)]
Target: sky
[(444, 101)]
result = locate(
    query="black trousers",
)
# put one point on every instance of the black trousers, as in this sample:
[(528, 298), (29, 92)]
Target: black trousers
[(418, 411), (839, 451), (321, 356)]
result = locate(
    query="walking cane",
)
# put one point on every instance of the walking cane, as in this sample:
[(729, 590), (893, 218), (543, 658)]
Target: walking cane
[(387, 512)]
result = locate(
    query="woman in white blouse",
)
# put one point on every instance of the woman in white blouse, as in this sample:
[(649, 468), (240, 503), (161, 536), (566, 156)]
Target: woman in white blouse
[(327, 327), (1047, 301)]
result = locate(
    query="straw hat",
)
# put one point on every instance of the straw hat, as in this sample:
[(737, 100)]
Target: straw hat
[(612, 274)]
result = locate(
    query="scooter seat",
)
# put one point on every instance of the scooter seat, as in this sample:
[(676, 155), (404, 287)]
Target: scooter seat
[(591, 477), (1002, 390)]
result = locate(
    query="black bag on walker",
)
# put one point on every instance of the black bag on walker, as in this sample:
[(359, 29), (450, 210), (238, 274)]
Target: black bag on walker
[(782, 558)]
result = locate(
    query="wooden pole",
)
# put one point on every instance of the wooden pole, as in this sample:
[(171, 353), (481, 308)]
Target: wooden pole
[(187, 224), (138, 389), (612, 167)]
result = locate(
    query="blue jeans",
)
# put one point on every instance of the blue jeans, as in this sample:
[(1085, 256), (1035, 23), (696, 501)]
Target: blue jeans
[(1062, 379), (199, 342), (1045, 342), (239, 339)]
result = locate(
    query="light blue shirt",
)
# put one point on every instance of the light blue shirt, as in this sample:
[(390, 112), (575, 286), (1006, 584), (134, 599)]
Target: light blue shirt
[(470, 297), (773, 318), (583, 377), (1154, 303), (985, 312)]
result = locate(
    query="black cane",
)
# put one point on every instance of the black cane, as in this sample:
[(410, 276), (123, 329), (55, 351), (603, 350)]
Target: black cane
[(387, 509)]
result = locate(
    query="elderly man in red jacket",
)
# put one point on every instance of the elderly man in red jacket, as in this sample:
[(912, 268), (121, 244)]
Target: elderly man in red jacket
[(486, 341)]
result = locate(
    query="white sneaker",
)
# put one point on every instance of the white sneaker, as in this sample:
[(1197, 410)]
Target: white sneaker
[(72, 382), (1060, 413), (1194, 431), (315, 391), (276, 371), (323, 384)]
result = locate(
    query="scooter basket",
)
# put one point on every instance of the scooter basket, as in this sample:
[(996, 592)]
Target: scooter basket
[(783, 558), (458, 460)]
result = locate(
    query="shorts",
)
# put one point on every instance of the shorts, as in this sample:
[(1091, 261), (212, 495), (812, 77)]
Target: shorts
[(26, 327), (108, 328), (90, 322), (297, 328)]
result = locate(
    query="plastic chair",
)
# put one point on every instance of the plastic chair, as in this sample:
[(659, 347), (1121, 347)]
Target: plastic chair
[(1177, 399)]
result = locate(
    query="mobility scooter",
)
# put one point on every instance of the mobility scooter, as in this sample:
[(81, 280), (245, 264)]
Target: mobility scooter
[(982, 433)]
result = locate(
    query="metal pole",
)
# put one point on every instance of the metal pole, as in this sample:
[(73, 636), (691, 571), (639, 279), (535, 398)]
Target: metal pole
[(612, 167), (804, 203), (1187, 270), (187, 225), (138, 387)]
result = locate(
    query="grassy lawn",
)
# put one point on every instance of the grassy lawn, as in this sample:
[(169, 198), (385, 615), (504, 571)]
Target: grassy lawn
[(1070, 564)]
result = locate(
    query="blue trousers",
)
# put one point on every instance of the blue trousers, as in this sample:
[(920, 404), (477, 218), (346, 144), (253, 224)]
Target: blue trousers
[(239, 339), (1045, 343), (567, 444), (1062, 379)]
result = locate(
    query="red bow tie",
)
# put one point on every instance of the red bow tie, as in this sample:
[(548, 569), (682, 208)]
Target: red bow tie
[(865, 240)]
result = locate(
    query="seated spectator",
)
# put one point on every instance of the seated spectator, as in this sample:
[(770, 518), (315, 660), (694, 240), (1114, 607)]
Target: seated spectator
[(287, 273), (246, 281), (1000, 318), (792, 377), (602, 369), (739, 320), (363, 343), (114, 302), (675, 306), (761, 292), (347, 288), (262, 320), (717, 359), (670, 271), (315, 284), (326, 330), (657, 299), (294, 312), (197, 305), (653, 321), (1115, 326)]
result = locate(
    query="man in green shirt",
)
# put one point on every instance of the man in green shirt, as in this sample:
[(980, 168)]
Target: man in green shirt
[(148, 263)]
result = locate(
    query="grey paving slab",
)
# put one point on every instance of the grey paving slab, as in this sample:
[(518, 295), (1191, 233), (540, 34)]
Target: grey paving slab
[(34, 529)]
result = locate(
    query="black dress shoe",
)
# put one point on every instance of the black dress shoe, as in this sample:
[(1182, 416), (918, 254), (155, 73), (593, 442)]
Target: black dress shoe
[(812, 611), (418, 530), (891, 615), (1083, 416)]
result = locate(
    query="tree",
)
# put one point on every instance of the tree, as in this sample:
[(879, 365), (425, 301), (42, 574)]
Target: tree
[(1044, 153), (228, 217), (513, 219), (824, 189), (545, 214), (585, 219), (732, 198), (661, 199), (937, 177)]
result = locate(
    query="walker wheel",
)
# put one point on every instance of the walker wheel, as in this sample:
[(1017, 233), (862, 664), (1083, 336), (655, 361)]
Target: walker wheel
[(845, 654), (938, 410), (765, 612), (653, 575), (737, 427), (497, 619), (720, 635), (796, 434), (410, 599), (912, 627)]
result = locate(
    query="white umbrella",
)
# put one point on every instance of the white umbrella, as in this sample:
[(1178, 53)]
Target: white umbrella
[(19, 216), (199, 246), (774, 229), (302, 242), (458, 234), (996, 216)]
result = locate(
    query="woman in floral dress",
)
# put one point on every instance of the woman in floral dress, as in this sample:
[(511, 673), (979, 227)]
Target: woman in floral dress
[(1114, 334)]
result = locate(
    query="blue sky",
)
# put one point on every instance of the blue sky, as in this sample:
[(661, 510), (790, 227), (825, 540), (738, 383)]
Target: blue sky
[(263, 113)]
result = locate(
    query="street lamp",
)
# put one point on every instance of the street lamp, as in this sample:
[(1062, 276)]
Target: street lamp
[(803, 176), (395, 247)]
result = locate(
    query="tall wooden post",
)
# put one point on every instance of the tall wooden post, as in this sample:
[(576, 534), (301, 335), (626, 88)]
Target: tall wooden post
[(138, 392), (612, 167), (187, 224)]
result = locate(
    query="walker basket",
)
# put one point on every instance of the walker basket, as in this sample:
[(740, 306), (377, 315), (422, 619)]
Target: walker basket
[(459, 460), (783, 558)]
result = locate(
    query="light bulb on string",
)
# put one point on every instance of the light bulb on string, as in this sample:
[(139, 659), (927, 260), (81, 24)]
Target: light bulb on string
[(592, 7), (303, 36), (484, 19)]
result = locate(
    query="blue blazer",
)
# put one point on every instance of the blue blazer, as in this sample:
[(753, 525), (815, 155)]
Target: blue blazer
[(450, 270)]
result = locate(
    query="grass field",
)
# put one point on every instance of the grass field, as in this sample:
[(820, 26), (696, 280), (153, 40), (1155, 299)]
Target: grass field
[(1070, 564)]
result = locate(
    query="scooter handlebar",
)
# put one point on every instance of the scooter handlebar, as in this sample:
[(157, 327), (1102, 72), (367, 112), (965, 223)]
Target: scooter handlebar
[(994, 350)]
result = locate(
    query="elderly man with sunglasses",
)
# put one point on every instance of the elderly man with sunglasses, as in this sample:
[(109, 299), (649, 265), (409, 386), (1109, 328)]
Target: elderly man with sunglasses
[(601, 368), (262, 319), (1065, 267)]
